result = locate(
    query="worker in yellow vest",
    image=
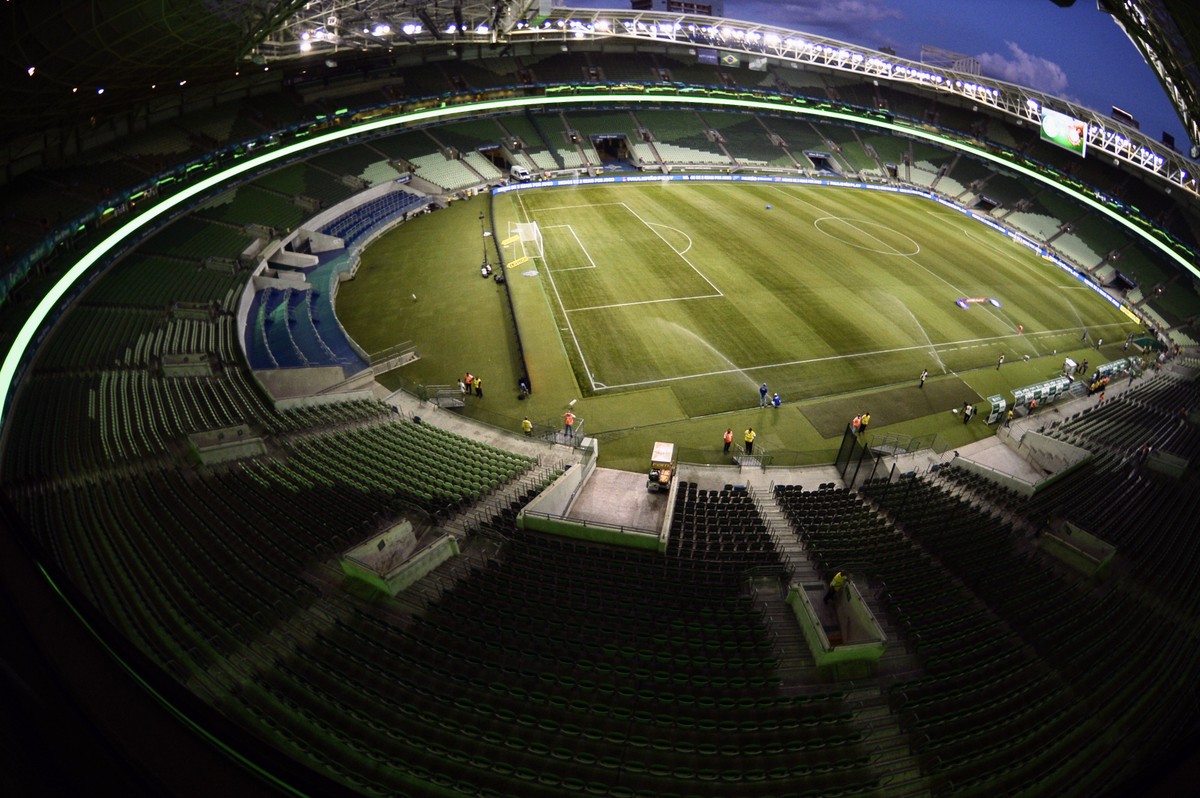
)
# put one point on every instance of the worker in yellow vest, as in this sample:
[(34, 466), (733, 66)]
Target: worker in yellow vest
[(835, 587), (749, 437)]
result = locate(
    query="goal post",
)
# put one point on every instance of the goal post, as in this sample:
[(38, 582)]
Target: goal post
[(530, 236)]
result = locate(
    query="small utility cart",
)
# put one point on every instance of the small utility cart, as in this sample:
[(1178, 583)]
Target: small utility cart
[(662, 467)]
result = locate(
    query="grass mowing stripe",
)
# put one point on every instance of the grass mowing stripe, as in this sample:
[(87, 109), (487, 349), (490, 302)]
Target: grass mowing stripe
[(566, 317), (951, 346)]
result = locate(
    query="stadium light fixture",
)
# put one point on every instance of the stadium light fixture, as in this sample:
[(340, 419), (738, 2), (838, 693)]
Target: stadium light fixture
[(31, 71)]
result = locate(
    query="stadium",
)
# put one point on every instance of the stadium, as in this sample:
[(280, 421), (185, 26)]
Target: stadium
[(838, 436)]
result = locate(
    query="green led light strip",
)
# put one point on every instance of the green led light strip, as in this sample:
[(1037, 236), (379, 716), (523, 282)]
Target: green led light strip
[(56, 292)]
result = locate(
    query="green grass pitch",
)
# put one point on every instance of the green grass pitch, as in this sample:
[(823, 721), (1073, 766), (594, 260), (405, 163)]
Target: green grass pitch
[(662, 307)]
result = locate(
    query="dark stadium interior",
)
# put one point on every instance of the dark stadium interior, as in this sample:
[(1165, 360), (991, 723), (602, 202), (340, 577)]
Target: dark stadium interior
[(226, 657)]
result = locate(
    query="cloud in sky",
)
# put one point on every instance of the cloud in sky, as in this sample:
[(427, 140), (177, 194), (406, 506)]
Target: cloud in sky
[(1025, 69), (838, 19)]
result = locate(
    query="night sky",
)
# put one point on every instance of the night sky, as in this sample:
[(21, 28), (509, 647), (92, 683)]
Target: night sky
[(1077, 53)]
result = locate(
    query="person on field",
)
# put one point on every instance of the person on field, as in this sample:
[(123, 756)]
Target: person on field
[(749, 439), (728, 440), (762, 395), (924, 375)]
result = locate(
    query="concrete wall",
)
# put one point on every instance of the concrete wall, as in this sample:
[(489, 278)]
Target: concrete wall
[(1048, 453), (407, 574), (556, 499), (588, 530), (1022, 487)]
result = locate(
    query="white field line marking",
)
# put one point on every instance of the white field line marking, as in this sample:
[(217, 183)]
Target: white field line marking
[(958, 291), (677, 230), (650, 227), (848, 222), (1024, 266), (562, 307), (933, 349), (586, 254), (947, 346), (550, 208), (642, 301)]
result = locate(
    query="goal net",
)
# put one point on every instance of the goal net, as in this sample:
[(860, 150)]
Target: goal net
[(531, 237)]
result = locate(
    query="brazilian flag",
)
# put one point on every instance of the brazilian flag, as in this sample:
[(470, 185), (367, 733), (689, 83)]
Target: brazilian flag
[(730, 60)]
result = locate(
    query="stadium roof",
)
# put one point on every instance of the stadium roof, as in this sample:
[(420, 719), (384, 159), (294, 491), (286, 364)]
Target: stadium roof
[(69, 64), (1167, 32), (65, 60)]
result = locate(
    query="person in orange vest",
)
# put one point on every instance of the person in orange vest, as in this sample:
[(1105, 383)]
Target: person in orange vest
[(728, 440), (569, 424)]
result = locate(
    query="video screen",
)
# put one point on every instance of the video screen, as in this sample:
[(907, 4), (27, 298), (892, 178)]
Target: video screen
[(1065, 131)]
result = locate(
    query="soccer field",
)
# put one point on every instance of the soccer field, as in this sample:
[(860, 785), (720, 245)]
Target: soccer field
[(712, 289)]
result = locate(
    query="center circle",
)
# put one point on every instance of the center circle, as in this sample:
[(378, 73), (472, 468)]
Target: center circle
[(852, 232)]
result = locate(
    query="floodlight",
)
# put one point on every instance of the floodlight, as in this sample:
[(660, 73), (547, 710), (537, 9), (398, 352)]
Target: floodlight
[(381, 30), (31, 70), (100, 91), (305, 46)]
